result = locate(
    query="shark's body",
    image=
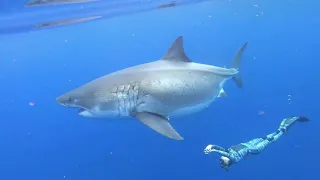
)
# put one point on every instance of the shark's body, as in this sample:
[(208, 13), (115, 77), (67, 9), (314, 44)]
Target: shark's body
[(154, 91), (33, 3)]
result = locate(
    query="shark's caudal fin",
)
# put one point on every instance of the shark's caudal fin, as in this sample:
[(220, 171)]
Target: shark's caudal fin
[(176, 52), (158, 123), (236, 64)]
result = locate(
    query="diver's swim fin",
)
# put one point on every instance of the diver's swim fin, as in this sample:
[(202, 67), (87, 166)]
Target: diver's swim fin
[(303, 119)]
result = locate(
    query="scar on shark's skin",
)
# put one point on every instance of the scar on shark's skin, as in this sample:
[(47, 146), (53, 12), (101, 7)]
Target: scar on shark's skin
[(172, 4)]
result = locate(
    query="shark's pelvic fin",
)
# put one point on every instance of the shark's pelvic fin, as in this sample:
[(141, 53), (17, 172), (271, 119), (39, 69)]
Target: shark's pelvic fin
[(236, 64), (176, 52), (158, 123), (222, 93)]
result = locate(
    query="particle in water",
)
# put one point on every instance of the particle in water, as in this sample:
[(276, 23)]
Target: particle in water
[(260, 112)]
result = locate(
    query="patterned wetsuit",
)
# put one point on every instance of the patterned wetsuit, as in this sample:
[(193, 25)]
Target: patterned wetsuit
[(253, 147)]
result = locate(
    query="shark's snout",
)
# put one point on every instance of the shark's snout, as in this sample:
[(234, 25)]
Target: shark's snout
[(65, 100), (60, 100)]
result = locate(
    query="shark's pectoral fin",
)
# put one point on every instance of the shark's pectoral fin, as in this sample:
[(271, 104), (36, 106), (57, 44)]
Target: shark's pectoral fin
[(158, 123), (176, 52)]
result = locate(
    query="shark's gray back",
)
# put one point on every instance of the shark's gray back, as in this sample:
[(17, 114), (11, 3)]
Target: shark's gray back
[(155, 69)]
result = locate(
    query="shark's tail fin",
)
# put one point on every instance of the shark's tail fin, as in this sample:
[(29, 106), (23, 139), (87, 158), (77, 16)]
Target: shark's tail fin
[(236, 65)]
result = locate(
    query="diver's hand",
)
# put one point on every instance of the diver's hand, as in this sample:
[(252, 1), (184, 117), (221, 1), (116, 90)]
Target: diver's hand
[(208, 149)]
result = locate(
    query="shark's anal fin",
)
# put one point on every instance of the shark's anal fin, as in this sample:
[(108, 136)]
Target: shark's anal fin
[(176, 52), (158, 123), (236, 63)]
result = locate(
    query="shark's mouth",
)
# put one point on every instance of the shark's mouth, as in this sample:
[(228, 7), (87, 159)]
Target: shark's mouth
[(85, 113), (80, 110)]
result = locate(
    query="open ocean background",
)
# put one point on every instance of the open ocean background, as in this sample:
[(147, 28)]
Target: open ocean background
[(41, 140)]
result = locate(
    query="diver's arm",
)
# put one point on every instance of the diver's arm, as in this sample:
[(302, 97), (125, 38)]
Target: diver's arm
[(222, 153), (218, 148), (213, 148)]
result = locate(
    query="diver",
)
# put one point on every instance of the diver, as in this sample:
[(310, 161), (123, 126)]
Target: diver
[(236, 153)]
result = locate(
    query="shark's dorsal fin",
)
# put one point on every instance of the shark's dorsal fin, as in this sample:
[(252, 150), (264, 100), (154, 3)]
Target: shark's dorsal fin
[(176, 52)]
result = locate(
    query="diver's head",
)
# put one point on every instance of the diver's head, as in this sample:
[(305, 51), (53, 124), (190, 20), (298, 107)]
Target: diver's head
[(225, 162)]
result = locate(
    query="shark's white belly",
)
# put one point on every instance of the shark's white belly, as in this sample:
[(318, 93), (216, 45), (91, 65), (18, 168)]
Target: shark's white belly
[(151, 104), (191, 109)]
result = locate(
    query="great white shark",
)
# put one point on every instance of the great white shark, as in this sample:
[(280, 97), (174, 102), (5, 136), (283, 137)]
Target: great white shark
[(155, 91)]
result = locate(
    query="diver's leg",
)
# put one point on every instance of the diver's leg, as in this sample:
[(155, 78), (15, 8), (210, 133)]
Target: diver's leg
[(278, 134), (286, 123), (258, 148), (275, 136), (255, 141), (261, 143), (265, 143), (270, 136)]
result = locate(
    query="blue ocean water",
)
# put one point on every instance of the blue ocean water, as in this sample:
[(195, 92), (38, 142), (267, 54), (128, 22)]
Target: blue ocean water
[(280, 74)]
